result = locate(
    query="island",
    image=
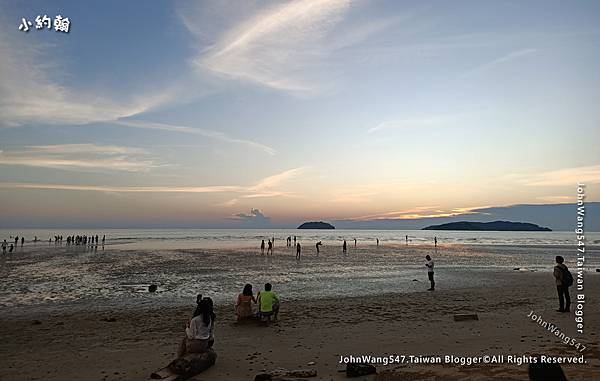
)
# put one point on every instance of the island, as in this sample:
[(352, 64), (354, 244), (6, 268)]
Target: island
[(316, 225), (501, 226)]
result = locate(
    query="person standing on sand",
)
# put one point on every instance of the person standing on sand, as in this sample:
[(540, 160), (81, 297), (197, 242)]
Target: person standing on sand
[(564, 280), (344, 247), (429, 265), (435, 241), (269, 247), (377, 242), (298, 250), (354, 242), (294, 241), (317, 246), (406, 239), (22, 241), (262, 247), (4, 244)]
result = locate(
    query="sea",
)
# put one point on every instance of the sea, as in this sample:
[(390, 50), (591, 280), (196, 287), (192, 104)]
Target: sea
[(52, 277)]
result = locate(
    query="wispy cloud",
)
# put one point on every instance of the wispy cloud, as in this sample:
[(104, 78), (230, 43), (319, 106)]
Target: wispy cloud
[(409, 123), (214, 135), (276, 45), (262, 188), (28, 92), (80, 157), (564, 177), (418, 213), (499, 61)]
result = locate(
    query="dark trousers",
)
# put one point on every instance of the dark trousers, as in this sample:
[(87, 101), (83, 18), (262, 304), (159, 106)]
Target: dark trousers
[(430, 274), (563, 295)]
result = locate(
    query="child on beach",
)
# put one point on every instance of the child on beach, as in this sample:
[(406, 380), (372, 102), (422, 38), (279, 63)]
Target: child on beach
[(429, 265), (268, 303)]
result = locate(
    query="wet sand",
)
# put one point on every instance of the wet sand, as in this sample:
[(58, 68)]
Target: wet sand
[(83, 346)]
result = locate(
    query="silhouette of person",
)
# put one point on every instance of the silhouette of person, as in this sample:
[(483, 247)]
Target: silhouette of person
[(269, 247), (10, 250), (429, 264), (22, 241), (406, 239), (435, 241), (317, 246), (378, 242), (344, 247), (354, 242), (4, 244), (262, 247), (298, 250)]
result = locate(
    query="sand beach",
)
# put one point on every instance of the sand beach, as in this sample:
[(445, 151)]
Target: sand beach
[(130, 337)]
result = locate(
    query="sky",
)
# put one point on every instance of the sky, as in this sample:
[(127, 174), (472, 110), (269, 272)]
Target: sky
[(270, 113)]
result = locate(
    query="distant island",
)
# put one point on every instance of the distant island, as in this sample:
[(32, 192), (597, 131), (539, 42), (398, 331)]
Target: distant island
[(316, 225), (502, 226)]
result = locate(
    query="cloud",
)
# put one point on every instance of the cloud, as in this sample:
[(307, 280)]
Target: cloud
[(564, 177), (272, 181), (79, 157), (418, 213), (275, 47), (29, 94), (501, 60), (263, 188), (215, 135), (425, 122), (254, 216)]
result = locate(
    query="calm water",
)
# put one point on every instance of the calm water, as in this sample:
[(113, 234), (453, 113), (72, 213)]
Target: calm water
[(47, 277), (239, 238)]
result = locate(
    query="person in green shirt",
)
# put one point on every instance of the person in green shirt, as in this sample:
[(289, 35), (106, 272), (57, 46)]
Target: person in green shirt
[(268, 303)]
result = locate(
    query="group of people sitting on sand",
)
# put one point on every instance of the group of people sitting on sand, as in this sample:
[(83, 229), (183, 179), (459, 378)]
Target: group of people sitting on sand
[(267, 301), (199, 331)]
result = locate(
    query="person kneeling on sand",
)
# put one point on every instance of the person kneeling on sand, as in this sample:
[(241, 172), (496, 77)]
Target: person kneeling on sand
[(243, 306), (268, 303), (199, 331)]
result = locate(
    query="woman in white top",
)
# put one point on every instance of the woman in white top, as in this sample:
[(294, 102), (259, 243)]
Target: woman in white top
[(199, 331)]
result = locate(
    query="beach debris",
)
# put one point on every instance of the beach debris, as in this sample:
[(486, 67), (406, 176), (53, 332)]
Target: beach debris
[(152, 288), (415, 280), (109, 319), (359, 370), (311, 363), (186, 367), (281, 374), (465, 317)]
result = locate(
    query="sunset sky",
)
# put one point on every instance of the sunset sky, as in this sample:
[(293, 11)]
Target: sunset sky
[(231, 113)]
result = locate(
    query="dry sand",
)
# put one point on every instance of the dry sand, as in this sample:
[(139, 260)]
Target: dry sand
[(85, 347)]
